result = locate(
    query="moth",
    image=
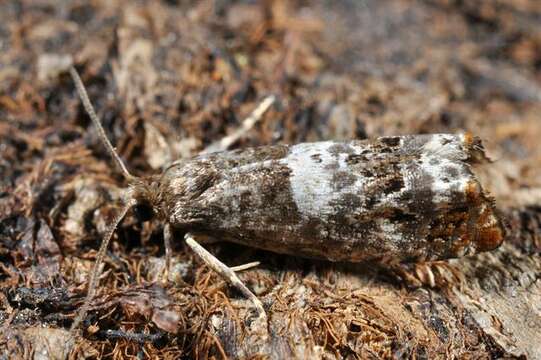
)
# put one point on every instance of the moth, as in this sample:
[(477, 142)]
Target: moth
[(407, 198)]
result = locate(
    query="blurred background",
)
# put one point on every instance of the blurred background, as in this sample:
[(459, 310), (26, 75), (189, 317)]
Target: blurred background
[(169, 78)]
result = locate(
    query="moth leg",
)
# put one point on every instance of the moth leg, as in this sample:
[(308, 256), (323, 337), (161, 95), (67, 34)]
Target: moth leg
[(432, 274), (245, 266), (225, 272), (167, 235)]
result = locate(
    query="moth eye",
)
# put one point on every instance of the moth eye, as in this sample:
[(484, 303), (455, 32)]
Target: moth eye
[(143, 212)]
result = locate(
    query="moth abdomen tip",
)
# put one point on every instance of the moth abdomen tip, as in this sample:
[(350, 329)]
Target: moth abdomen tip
[(487, 227), (489, 238)]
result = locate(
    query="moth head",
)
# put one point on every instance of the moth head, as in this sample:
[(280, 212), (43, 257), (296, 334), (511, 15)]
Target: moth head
[(144, 194), (143, 211)]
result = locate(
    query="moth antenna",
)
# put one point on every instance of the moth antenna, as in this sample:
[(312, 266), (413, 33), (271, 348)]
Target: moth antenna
[(92, 114), (96, 270)]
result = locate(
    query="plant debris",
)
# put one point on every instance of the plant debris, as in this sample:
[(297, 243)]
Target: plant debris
[(169, 78)]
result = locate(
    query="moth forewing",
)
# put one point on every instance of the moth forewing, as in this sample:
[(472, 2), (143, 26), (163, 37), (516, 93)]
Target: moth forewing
[(410, 198)]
